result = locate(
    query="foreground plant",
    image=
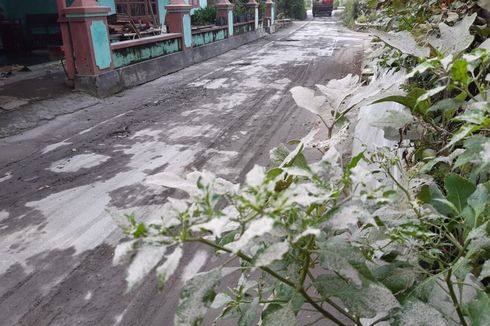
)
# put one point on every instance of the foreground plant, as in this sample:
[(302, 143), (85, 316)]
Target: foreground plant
[(346, 239)]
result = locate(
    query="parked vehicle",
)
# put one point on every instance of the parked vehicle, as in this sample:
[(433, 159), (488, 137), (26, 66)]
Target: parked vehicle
[(322, 8)]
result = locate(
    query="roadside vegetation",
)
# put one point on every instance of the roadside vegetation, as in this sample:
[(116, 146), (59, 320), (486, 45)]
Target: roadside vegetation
[(295, 9), (398, 235)]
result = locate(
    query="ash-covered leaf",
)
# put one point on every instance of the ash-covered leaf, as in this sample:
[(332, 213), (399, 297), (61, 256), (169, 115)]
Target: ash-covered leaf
[(396, 276), (485, 4), (255, 229), (168, 268), (395, 118), (143, 262), (342, 258), (171, 180), (221, 300), (337, 90), (305, 98), (418, 313), (278, 315), (454, 39), (220, 224), (366, 302), (271, 253), (278, 154), (403, 41), (123, 252), (485, 271), (196, 297), (256, 176)]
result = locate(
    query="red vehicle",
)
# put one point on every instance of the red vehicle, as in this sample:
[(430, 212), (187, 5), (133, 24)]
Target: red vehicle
[(322, 8)]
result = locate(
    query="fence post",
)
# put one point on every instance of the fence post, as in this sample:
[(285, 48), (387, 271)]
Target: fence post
[(224, 10), (89, 37), (254, 7), (269, 13), (178, 20)]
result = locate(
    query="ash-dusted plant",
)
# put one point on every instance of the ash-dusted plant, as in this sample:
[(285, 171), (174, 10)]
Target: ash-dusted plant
[(397, 235), (345, 243)]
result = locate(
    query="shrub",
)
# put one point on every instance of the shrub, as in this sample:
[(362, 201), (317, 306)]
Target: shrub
[(204, 16), (295, 9)]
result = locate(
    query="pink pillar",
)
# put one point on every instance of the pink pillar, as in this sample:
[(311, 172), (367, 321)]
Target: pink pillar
[(65, 36), (269, 13), (224, 10), (254, 8), (89, 37), (178, 20)]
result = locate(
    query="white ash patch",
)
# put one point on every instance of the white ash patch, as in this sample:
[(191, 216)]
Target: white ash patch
[(6, 176), (216, 84), (220, 161), (146, 133), (227, 102), (88, 296), (199, 83), (184, 131), (78, 162), (103, 122), (197, 112), (54, 146), (4, 215), (281, 84), (195, 265)]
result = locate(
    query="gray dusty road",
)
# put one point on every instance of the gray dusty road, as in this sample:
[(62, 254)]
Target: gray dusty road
[(65, 183)]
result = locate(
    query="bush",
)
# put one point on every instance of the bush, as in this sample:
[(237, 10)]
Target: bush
[(295, 9), (354, 9), (204, 16)]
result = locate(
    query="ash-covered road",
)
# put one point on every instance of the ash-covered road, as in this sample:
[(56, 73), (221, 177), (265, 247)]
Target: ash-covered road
[(65, 183)]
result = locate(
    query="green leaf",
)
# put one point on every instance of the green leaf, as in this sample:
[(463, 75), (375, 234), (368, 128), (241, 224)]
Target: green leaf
[(431, 92), (479, 200), (366, 301), (278, 315), (459, 71), (431, 194), (479, 309), (458, 190), (446, 105), (461, 268), (410, 101), (140, 231), (196, 297)]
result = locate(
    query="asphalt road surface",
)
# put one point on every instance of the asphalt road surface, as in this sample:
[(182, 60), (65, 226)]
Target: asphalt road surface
[(65, 183)]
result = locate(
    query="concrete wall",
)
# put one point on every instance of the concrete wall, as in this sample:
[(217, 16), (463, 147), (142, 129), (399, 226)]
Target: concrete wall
[(127, 56), (145, 71), (203, 38)]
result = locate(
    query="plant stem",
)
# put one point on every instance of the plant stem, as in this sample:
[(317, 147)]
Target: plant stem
[(452, 294), (269, 271)]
